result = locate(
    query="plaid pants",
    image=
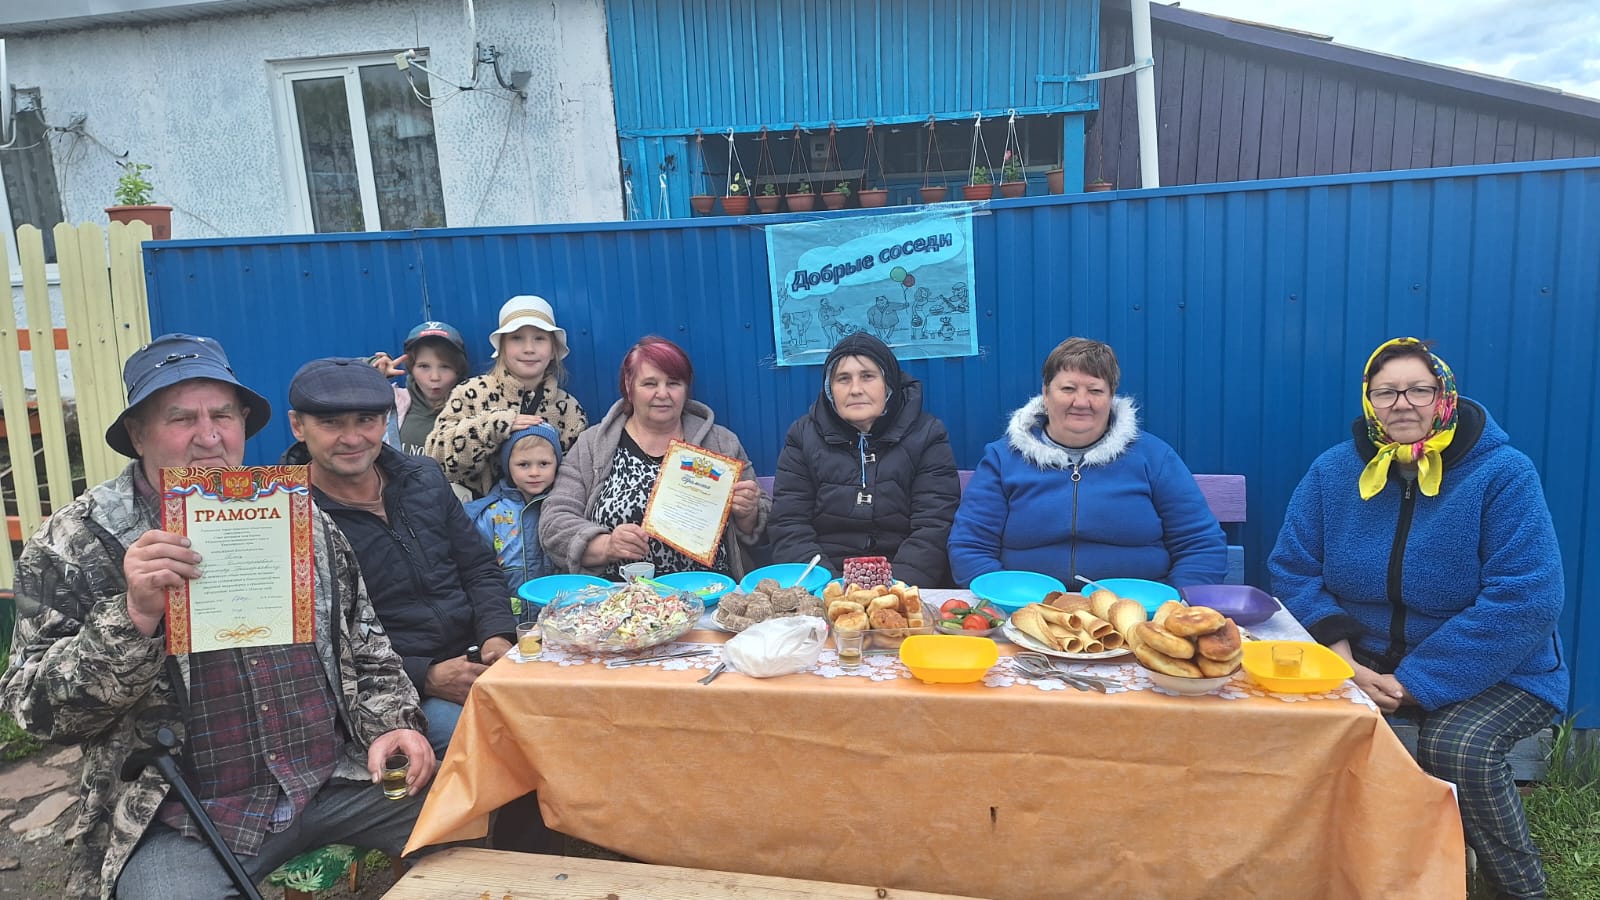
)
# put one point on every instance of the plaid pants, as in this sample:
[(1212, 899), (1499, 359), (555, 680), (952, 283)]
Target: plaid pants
[(1466, 744)]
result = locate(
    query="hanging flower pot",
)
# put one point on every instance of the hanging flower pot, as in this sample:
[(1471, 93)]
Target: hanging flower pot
[(873, 198), (767, 200), (1013, 183), (702, 203), (1057, 179), (977, 192), (1095, 187), (1014, 189), (736, 205), (802, 200), (838, 197), (934, 194)]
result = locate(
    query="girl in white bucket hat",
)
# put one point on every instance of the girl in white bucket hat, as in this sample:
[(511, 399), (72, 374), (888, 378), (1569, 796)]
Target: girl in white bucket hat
[(521, 390)]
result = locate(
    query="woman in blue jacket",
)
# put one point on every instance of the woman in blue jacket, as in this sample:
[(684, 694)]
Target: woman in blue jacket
[(1422, 551), (1074, 488)]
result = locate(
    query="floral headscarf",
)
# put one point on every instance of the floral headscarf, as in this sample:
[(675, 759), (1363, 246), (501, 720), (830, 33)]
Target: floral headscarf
[(1426, 452)]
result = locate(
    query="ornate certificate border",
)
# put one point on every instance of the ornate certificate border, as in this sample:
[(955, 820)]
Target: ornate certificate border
[(675, 457)]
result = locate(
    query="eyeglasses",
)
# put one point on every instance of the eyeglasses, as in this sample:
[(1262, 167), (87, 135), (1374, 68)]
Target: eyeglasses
[(1383, 398)]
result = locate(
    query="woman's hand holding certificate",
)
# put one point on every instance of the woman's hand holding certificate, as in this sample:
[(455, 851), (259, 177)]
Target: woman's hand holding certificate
[(689, 506)]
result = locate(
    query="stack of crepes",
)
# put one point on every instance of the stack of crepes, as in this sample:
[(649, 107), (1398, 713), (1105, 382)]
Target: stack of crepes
[(1076, 624)]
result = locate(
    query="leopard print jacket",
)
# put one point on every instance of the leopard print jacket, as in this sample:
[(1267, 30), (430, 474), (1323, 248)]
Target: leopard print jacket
[(477, 419)]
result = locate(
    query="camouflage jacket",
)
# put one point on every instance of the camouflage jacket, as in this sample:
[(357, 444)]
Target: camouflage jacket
[(81, 673)]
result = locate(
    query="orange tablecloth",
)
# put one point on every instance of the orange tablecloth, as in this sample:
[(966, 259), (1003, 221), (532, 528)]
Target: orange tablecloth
[(999, 789)]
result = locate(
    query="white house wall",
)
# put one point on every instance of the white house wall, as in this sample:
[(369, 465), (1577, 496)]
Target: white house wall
[(195, 100)]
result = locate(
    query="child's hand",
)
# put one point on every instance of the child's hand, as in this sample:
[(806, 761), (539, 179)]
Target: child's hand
[(389, 368), (526, 421)]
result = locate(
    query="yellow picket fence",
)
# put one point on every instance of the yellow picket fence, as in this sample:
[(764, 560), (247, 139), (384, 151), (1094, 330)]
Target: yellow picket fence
[(107, 318)]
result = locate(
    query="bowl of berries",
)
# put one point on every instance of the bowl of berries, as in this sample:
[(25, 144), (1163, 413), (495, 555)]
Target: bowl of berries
[(972, 617)]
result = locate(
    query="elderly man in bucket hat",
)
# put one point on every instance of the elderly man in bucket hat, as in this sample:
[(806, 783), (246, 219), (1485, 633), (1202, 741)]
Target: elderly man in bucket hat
[(281, 744), (432, 577)]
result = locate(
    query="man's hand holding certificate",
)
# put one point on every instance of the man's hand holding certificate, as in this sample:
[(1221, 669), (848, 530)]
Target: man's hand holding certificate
[(689, 506)]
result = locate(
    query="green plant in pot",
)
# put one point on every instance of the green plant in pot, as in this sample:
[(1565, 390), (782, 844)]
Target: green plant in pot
[(767, 200), (737, 201), (979, 186), (1013, 183), (838, 197), (802, 198), (874, 197), (132, 195)]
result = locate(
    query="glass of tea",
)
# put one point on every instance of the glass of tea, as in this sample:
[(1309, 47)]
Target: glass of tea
[(849, 643), (1286, 660), (394, 776), (530, 640)]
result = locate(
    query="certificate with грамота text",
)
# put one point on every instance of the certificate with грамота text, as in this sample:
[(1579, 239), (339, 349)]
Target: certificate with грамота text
[(689, 505), (251, 526)]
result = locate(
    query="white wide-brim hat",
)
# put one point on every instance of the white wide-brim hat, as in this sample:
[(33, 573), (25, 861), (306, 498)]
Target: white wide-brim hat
[(527, 309)]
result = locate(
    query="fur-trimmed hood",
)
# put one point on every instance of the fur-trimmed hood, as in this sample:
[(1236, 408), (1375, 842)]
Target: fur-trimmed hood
[(1025, 434)]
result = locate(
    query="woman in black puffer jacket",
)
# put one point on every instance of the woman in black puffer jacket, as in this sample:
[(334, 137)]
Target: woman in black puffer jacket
[(867, 472)]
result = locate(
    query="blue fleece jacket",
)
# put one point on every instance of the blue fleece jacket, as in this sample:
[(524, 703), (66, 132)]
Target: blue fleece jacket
[(510, 521), (1131, 509), (1478, 569)]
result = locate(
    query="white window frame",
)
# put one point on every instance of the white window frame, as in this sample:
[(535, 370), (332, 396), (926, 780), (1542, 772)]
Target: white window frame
[(285, 74)]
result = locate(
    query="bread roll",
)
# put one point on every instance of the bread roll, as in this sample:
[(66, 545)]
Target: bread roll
[(1222, 644), (1192, 621), (1164, 610), (1125, 614), (862, 596), (887, 601), (833, 591), (910, 599), (856, 620), (1162, 641), (838, 608), (1216, 668), (1100, 602), (1167, 665)]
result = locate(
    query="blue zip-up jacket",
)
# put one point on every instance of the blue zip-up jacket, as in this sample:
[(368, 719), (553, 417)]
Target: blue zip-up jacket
[(1470, 581), (509, 521), (1130, 510)]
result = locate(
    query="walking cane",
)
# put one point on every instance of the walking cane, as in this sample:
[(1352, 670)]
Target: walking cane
[(161, 753)]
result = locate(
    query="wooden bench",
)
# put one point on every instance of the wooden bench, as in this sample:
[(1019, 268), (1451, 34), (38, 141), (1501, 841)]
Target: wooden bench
[(1225, 494), (465, 873)]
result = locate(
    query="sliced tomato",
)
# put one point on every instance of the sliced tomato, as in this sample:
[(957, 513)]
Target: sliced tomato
[(975, 622), (953, 604)]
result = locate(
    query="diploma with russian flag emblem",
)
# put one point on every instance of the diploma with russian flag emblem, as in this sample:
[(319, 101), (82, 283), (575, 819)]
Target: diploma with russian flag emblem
[(251, 526), (689, 505)]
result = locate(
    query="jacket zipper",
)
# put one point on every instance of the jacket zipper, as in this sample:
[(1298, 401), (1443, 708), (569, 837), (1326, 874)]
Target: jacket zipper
[(1072, 557), (1397, 553)]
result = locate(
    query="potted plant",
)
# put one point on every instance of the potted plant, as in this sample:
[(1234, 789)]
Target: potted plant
[(737, 201), (979, 187), (1098, 185), (838, 197), (934, 193), (1057, 180), (133, 202), (767, 200), (801, 199), (872, 198), (1012, 182)]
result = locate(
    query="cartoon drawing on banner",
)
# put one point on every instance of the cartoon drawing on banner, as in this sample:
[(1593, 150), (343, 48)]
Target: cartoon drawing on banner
[(901, 277)]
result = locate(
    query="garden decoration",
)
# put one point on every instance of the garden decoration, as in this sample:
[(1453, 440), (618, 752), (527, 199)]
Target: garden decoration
[(766, 197), (701, 200), (736, 201), (872, 197), (1013, 169), (976, 189), (835, 198), (932, 193), (800, 199)]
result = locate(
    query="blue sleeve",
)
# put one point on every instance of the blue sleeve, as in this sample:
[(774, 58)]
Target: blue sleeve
[(481, 575), (1193, 539), (1295, 565), (980, 522), (1520, 599)]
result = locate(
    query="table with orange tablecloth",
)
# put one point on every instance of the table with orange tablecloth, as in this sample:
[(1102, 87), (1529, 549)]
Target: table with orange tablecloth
[(1004, 788)]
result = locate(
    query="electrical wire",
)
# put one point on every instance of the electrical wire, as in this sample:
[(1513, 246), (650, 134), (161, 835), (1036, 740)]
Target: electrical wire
[(499, 155)]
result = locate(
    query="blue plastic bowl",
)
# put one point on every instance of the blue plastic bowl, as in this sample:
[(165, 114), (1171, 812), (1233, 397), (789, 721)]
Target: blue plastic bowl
[(694, 581), (543, 590), (1012, 591), (1149, 594), (1244, 604), (785, 574)]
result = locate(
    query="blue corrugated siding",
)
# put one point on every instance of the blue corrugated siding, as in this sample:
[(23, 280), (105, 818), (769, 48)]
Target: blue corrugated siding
[(718, 64), (1242, 314)]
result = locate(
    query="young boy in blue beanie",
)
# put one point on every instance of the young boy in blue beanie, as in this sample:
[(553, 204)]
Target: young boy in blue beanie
[(508, 516)]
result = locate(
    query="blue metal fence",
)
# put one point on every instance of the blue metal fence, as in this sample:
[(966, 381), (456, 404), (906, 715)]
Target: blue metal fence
[(1242, 314)]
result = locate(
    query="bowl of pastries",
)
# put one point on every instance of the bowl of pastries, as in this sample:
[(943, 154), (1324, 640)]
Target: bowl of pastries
[(887, 613), (765, 600), (1188, 650)]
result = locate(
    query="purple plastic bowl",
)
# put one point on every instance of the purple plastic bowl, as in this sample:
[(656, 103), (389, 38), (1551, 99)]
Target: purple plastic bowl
[(1242, 603)]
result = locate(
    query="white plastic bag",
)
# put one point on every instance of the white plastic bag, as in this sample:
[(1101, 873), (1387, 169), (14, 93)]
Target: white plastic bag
[(777, 646)]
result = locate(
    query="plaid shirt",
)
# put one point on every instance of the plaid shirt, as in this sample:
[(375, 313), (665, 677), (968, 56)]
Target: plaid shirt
[(263, 738)]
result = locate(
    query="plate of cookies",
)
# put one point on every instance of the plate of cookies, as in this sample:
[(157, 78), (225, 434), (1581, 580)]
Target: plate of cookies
[(887, 613)]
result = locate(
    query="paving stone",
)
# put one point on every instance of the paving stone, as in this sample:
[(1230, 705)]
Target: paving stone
[(30, 779), (48, 810), (9, 864), (67, 758), (5, 813)]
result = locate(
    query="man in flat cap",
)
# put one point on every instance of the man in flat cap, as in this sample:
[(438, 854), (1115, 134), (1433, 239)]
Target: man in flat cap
[(432, 577), (281, 744)]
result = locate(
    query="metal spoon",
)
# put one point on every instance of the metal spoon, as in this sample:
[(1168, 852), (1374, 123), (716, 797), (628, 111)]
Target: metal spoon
[(1046, 668), (721, 667), (1032, 669)]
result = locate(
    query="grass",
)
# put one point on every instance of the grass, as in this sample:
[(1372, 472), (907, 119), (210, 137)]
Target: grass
[(1564, 816)]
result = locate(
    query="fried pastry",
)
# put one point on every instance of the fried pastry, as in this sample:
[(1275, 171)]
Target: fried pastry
[(1164, 610), (1161, 641), (1100, 602), (1216, 668), (1192, 621), (1222, 644), (1167, 665), (852, 621), (886, 618)]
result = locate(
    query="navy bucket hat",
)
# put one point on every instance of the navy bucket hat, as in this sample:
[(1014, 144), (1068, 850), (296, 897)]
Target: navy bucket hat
[(174, 358)]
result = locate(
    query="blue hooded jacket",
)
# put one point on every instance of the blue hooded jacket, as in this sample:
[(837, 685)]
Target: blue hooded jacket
[(1460, 591), (509, 521)]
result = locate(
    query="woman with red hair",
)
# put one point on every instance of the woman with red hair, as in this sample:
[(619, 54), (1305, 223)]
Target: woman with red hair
[(592, 517)]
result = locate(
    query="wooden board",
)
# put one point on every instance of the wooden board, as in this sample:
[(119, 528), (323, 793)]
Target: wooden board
[(471, 874)]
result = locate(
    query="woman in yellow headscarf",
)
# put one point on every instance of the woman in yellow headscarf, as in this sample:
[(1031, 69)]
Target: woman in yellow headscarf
[(1422, 552)]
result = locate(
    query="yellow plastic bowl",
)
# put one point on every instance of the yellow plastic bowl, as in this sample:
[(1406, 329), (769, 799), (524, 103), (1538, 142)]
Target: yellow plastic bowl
[(948, 658), (1321, 669)]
